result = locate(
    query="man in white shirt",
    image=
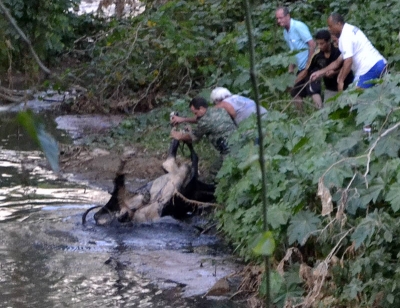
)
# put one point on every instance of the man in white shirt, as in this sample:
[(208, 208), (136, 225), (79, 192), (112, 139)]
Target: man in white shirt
[(358, 54)]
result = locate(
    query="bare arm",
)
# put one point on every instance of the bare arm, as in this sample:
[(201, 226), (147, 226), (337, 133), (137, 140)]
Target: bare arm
[(311, 51), (228, 107), (346, 68), (301, 75), (332, 73), (176, 120), (333, 66)]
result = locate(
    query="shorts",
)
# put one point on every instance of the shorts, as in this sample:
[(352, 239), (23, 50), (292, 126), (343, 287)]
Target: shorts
[(311, 88), (375, 72)]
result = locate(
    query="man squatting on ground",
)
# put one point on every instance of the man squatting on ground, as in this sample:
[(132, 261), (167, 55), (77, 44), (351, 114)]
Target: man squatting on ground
[(358, 54), (325, 55), (297, 37)]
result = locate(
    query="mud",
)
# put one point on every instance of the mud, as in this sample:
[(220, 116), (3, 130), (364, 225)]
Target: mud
[(98, 166)]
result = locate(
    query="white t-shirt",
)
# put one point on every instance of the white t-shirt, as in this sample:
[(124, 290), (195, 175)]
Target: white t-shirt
[(354, 43)]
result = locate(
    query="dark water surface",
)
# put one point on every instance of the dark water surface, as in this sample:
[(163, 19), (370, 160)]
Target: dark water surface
[(49, 259)]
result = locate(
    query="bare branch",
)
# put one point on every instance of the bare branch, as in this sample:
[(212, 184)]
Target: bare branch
[(23, 36)]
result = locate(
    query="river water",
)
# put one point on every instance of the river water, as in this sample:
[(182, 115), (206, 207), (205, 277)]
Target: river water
[(49, 259)]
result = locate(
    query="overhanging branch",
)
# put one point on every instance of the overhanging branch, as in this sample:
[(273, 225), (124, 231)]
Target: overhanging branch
[(12, 21)]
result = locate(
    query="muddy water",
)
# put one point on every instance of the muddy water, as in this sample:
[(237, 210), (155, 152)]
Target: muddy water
[(49, 259)]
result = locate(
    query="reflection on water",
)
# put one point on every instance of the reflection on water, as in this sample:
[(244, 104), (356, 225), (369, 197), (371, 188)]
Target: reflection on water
[(49, 259), (36, 276), (26, 187)]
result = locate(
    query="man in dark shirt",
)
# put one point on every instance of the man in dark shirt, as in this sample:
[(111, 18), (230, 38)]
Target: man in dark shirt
[(326, 55)]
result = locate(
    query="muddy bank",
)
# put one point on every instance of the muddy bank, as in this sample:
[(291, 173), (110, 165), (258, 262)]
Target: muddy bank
[(98, 166)]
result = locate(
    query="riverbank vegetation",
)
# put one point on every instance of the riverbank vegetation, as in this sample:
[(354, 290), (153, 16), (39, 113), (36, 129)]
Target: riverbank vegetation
[(333, 190)]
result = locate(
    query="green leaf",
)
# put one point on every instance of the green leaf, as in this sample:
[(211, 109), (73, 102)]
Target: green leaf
[(359, 235), (369, 107), (242, 79), (388, 236), (302, 225), (290, 287), (353, 288), (346, 144), (277, 216), (45, 141), (337, 174), (389, 145), (277, 282), (393, 196), (300, 144), (372, 193), (26, 119), (389, 170), (364, 230), (264, 244), (49, 147)]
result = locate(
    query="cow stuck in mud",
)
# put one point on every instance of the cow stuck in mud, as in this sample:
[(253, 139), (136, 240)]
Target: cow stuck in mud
[(176, 193)]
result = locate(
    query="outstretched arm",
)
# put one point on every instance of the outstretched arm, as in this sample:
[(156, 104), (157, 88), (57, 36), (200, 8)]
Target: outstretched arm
[(176, 120), (333, 66), (301, 75)]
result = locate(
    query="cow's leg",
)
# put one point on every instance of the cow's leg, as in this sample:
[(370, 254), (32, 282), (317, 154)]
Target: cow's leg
[(114, 205), (190, 187), (169, 165), (194, 189)]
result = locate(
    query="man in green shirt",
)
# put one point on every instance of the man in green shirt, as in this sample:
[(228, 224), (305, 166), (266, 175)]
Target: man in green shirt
[(214, 123)]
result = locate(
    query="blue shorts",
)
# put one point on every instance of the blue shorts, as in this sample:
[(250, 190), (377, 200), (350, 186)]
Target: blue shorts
[(374, 73)]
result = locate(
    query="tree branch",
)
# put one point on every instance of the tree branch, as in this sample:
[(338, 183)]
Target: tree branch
[(23, 36)]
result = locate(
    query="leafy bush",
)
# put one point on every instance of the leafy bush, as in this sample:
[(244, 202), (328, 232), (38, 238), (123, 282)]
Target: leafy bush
[(46, 24), (332, 193)]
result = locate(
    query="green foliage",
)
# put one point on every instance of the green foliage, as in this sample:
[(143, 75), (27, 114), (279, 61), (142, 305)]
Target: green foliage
[(326, 149), (47, 24), (284, 288), (301, 226)]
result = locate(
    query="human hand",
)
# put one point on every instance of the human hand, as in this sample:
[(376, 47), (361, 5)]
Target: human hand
[(176, 120), (316, 75), (330, 73)]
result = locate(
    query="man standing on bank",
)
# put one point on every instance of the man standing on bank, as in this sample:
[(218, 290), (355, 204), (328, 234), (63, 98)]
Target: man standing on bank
[(358, 54), (298, 37)]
